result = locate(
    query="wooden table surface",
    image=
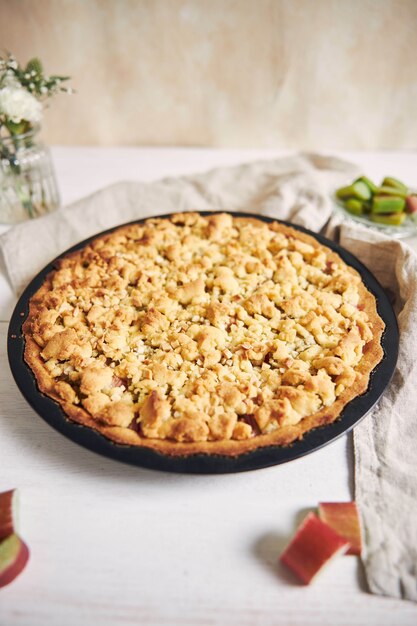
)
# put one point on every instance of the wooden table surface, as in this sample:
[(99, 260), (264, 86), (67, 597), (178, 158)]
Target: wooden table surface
[(114, 544)]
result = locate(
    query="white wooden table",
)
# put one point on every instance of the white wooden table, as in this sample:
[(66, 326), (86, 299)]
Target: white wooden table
[(113, 544)]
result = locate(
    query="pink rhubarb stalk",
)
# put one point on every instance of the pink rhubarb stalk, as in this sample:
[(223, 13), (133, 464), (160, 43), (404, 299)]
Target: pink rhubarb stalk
[(314, 545)]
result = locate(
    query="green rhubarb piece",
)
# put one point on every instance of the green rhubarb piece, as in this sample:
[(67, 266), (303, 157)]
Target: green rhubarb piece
[(358, 190), (395, 219), (362, 190), (369, 182), (387, 204), (389, 181), (354, 206), (344, 192), (384, 190), (366, 206)]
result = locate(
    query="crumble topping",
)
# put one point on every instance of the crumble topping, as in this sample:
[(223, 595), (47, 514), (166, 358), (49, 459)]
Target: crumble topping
[(201, 328)]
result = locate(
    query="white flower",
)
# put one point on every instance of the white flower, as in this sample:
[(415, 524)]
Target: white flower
[(10, 80), (18, 104)]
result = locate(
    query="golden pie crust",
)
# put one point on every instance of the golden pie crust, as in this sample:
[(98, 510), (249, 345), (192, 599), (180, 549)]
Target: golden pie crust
[(203, 334)]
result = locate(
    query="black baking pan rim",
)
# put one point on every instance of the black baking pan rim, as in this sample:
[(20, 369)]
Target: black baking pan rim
[(51, 412)]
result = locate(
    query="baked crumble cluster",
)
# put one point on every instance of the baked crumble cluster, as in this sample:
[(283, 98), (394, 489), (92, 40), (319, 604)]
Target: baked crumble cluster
[(196, 329)]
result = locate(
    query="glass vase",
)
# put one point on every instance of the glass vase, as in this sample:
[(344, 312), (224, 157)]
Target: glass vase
[(28, 186)]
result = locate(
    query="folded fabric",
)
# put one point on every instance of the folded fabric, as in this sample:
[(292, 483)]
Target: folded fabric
[(297, 189), (385, 442)]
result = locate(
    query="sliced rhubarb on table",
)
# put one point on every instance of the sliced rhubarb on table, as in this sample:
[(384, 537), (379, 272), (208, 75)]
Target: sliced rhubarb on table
[(8, 513), (314, 545), (343, 517), (14, 554)]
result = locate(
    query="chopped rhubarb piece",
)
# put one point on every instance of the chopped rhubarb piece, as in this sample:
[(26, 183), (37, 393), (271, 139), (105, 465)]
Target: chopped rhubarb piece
[(14, 554), (386, 190), (343, 517), (387, 204), (8, 506), (394, 219), (359, 189), (411, 204), (354, 206), (314, 545), (390, 181)]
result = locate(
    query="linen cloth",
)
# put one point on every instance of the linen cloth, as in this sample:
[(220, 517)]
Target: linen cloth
[(297, 189)]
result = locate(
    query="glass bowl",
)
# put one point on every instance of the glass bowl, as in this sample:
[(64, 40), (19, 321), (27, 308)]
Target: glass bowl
[(407, 229)]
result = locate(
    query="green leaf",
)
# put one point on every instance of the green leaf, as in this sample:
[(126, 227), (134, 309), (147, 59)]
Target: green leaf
[(34, 65), (61, 78), (17, 128)]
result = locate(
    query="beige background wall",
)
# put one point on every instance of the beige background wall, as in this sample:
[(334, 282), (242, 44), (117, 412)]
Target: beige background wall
[(255, 73)]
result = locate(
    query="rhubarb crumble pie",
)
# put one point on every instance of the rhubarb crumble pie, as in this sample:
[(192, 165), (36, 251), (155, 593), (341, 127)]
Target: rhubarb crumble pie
[(203, 334)]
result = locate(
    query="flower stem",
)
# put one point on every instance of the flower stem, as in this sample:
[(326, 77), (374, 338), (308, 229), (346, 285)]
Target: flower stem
[(24, 197)]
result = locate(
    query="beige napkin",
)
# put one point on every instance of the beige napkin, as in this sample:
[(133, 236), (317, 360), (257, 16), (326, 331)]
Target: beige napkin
[(296, 189), (385, 443)]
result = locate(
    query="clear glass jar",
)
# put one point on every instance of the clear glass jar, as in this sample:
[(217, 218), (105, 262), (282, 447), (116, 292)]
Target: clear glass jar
[(28, 186)]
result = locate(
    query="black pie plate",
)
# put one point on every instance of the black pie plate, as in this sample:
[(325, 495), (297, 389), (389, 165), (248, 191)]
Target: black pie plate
[(352, 414)]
